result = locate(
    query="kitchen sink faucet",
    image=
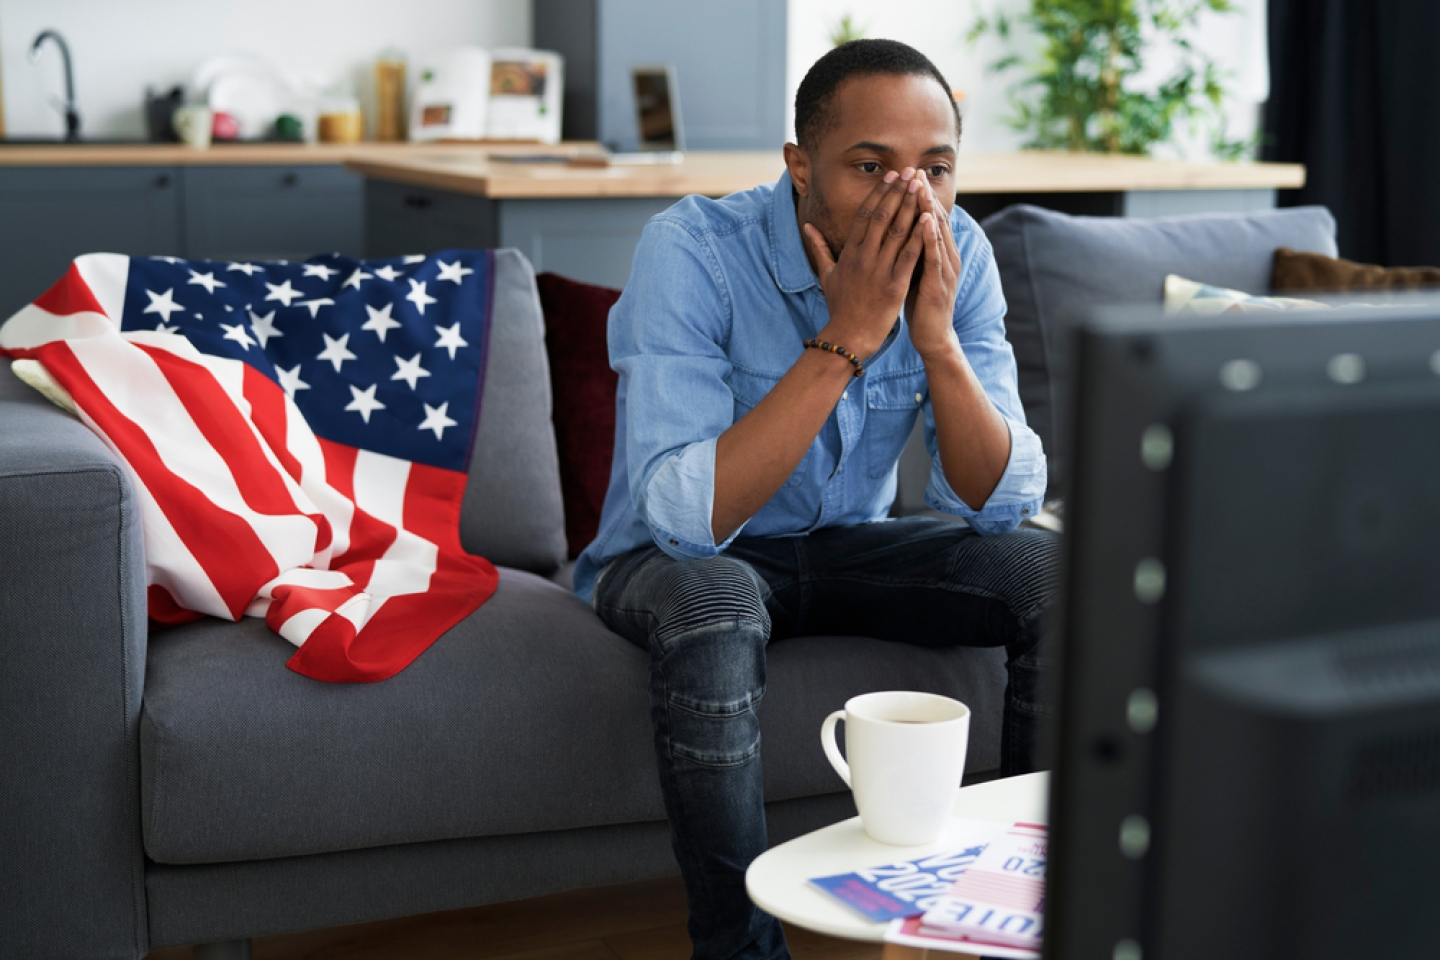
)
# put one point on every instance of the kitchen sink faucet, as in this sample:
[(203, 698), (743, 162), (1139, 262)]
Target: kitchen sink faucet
[(72, 115)]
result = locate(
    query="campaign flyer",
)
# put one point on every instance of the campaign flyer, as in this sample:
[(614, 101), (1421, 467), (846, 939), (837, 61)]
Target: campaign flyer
[(910, 887)]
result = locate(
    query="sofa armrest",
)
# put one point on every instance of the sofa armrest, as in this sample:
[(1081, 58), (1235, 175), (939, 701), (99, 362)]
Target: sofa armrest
[(72, 670)]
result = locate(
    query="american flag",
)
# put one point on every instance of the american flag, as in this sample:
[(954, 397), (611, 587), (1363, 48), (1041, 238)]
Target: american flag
[(298, 436)]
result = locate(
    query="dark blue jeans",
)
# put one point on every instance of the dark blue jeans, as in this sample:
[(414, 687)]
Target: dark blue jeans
[(706, 623)]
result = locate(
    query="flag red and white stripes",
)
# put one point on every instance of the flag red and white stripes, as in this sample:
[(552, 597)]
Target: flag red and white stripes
[(351, 555)]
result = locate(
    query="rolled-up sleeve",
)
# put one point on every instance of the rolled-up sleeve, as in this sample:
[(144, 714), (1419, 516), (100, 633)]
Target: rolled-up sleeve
[(980, 325), (666, 339)]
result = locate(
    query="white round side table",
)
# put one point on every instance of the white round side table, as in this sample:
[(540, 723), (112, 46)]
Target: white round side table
[(778, 880)]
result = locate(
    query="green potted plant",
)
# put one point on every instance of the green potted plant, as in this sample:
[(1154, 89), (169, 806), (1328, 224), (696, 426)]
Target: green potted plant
[(845, 30), (1077, 92)]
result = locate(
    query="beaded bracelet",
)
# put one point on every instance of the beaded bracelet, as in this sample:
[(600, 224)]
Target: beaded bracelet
[(839, 351)]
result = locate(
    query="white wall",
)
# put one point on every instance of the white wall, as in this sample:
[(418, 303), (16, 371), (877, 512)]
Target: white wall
[(937, 29), (121, 47)]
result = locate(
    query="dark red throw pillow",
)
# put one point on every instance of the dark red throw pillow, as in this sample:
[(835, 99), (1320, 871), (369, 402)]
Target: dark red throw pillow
[(582, 387)]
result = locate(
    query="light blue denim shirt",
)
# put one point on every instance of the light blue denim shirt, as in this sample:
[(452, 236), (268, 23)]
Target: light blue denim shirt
[(720, 298)]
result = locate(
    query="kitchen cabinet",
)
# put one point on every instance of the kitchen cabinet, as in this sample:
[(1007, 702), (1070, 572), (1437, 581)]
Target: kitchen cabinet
[(587, 239), (401, 219), (49, 216), (272, 212)]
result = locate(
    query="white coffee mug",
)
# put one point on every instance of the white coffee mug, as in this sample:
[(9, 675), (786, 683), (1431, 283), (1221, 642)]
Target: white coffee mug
[(907, 755), (192, 124)]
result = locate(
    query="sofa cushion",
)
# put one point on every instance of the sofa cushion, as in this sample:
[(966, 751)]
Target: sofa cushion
[(1316, 273), (528, 716), (583, 387), (1201, 299), (1057, 269), (512, 513)]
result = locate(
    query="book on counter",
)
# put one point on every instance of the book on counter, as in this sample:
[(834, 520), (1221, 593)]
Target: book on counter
[(995, 906), (911, 887)]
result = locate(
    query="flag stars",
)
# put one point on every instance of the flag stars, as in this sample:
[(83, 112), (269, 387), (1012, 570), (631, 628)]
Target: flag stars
[(380, 321), (410, 371), (418, 296), (413, 258), (264, 327), (450, 338), (388, 273), (454, 272), (290, 380), (206, 280), (282, 292), (336, 351), (319, 270), (363, 402), (356, 278), (238, 333), (436, 419), (163, 304), (249, 269), (315, 305)]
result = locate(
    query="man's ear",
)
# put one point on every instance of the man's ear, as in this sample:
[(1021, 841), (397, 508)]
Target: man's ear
[(797, 161)]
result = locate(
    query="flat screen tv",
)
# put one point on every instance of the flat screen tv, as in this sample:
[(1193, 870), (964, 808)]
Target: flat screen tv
[(1247, 757)]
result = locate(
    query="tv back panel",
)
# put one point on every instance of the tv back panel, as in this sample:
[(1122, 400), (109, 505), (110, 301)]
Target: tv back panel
[(1248, 747)]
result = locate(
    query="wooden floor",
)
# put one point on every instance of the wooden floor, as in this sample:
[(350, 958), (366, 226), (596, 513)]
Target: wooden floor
[(633, 921)]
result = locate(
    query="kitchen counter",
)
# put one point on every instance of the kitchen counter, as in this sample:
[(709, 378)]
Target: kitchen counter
[(467, 168), (288, 201), (470, 171), (583, 221)]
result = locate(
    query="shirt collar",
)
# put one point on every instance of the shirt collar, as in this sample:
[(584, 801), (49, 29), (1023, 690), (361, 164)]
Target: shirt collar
[(787, 249)]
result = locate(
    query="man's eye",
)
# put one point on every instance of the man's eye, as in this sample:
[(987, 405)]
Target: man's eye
[(937, 172), (869, 166)]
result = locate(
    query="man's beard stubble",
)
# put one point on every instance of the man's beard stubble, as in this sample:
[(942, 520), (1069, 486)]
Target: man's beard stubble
[(822, 218)]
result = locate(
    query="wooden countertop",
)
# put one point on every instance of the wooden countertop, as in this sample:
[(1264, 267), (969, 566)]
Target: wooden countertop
[(249, 154), (468, 170)]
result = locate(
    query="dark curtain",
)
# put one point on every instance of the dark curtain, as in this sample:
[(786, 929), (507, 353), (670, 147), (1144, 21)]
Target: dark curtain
[(1355, 96)]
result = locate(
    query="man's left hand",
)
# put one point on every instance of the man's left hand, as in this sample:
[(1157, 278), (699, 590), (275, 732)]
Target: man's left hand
[(932, 325)]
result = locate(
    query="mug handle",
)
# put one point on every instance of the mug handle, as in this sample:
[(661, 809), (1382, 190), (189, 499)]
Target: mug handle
[(832, 751)]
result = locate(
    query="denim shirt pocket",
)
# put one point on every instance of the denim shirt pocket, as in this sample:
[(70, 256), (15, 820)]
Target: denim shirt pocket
[(892, 401), (749, 388)]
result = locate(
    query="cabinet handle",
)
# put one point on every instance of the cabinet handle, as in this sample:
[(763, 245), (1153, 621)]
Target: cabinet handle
[(417, 201), (162, 181), (290, 179)]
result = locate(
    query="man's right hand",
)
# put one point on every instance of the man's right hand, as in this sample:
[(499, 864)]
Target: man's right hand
[(867, 286)]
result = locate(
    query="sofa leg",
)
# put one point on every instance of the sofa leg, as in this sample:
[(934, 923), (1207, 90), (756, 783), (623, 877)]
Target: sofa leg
[(223, 950)]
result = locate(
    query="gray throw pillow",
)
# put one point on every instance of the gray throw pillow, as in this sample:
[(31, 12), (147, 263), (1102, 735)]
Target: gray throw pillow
[(1057, 269)]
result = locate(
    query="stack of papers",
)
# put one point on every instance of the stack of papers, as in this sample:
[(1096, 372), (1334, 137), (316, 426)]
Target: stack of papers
[(985, 894), (997, 904), (910, 887)]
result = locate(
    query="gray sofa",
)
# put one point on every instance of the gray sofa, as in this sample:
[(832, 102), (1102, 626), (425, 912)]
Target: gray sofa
[(185, 787)]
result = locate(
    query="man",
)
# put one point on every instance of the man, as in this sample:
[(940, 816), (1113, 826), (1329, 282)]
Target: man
[(774, 349)]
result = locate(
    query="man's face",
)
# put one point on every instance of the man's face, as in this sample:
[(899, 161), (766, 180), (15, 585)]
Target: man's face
[(879, 123)]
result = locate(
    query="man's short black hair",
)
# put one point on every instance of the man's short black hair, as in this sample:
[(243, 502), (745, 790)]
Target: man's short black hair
[(813, 113)]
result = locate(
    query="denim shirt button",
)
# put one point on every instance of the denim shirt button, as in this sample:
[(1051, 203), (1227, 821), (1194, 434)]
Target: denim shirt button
[(919, 397)]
